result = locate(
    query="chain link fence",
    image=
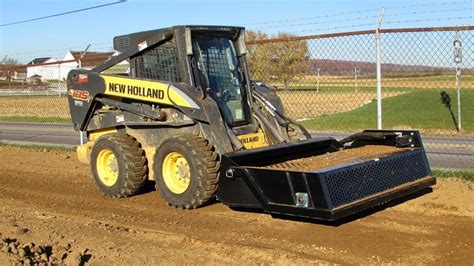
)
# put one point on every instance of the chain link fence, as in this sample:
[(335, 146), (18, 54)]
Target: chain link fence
[(328, 82)]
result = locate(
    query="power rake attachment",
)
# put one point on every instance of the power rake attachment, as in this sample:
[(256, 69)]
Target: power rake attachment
[(323, 179)]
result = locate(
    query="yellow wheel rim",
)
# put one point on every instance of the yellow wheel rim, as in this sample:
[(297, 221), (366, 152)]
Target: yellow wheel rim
[(176, 172), (107, 167)]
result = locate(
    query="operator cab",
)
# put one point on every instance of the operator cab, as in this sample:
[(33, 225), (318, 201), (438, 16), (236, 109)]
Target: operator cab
[(211, 58), (218, 70)]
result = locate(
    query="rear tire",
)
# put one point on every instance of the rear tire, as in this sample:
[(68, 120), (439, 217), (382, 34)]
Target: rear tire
[(118, 165), (187, 171)]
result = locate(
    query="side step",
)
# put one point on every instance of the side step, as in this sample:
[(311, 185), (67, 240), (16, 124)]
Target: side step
[(248, 178)]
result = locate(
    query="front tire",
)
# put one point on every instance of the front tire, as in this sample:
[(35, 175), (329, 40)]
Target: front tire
[(118, 165), (187, 171)]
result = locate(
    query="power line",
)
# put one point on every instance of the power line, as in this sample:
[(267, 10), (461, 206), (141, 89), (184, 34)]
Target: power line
[(96, 46), (311, 18), (318, 22), (429, 4), (62, 14), (426, 20), (426, 12), (450, 3)]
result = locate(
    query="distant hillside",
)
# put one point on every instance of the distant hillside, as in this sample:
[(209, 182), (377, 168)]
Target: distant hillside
[(343, 67)]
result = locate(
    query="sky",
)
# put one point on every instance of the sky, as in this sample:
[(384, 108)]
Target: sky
[(54, 36)]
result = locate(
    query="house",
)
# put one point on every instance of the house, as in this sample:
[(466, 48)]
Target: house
[(44, 67), (50, 69), (88, 61)]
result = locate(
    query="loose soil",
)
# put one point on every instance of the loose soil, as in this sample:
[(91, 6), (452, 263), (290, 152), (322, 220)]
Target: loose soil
[(300, 105), (50, 210), (315, 163)]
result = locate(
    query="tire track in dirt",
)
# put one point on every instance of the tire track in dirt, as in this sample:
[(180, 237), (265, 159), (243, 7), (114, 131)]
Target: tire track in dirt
[(436, 227)]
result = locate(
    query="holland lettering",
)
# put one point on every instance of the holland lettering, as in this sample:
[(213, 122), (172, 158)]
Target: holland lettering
[(136, 90)]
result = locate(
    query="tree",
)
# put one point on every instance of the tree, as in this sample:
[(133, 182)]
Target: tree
[(8, 68), (282, 60), (289, 58), (259, 56)]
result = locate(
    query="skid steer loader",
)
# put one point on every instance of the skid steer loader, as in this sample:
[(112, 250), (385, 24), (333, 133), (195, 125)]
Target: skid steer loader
[(185, 114)]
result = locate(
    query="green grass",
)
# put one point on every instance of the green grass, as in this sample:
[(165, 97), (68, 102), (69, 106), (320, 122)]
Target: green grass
[(43, 148), (35, 119), (465, 175), (420, 109), (339, 89)]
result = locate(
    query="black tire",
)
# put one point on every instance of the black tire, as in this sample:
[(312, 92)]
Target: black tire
[(203, 165), (131, 164)]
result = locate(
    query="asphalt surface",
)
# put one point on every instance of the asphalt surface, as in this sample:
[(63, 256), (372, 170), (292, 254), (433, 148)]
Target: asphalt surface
[(443, 151)]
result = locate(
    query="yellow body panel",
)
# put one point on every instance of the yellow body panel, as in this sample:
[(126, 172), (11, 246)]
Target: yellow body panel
[(84, 151), (145, 90), (253, 140)]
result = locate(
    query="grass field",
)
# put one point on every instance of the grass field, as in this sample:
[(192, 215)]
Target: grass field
[(46, 109), (346, 83), (465, 175), (35, 119), (417, 110), (409, 102)]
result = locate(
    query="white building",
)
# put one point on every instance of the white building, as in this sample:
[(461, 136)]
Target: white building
[(43, 67), (49, 69)]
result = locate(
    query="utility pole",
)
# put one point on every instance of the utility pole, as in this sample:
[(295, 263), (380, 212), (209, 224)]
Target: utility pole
[(83, 134), (457, 61), (83, 53), (379, 71)]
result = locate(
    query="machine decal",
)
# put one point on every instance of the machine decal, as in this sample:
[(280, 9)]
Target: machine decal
[(136, 90), (253, 140), (79, 95), (147, 91), (142, 45)]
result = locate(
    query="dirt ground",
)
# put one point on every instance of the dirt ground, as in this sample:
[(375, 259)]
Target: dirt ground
[(314, 163), (51, 210), (299, 105)]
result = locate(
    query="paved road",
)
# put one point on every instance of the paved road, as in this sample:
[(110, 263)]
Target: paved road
[(443, 152), (38, 133)]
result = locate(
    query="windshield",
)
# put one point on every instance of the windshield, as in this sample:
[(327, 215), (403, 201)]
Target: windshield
[(218, 74)]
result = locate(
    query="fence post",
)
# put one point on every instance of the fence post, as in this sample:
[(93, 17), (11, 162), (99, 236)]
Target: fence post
[(317, 88), (59, 80), (458, 60), (355, 79), (379, 71)]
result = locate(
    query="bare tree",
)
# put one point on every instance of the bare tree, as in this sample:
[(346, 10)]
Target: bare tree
[(8, 68)]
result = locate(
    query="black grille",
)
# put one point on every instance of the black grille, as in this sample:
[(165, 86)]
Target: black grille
[(359, 181), (159, 63)]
